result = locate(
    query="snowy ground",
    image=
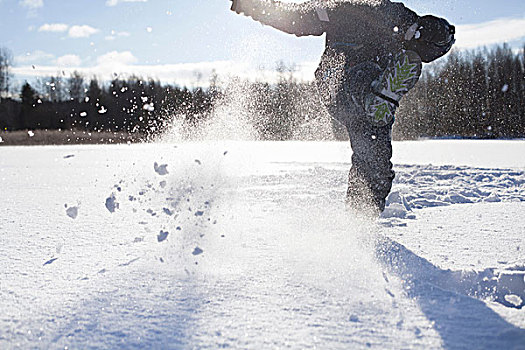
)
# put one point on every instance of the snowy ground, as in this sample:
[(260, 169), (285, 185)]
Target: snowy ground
[(248, 245)]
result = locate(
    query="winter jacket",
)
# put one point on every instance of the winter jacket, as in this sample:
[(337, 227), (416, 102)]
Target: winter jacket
[(363, 31)]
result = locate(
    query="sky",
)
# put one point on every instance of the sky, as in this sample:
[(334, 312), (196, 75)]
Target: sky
[(184, 41)]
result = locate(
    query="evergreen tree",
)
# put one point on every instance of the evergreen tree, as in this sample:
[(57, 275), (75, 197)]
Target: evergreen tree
[(28, 95), (94, 92)]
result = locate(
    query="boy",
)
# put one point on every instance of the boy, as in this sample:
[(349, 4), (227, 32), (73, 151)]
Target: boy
[(373, 55)]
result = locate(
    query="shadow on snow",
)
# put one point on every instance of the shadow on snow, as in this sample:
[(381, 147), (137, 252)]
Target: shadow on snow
[(446, 298)]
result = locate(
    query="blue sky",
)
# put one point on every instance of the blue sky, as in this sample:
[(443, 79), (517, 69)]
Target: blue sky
[(182, 41)]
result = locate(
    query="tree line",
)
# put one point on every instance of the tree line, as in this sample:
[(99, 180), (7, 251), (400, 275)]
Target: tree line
[(479, 94)]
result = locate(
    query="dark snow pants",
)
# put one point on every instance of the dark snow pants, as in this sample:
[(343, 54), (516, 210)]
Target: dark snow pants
[(342, 87)]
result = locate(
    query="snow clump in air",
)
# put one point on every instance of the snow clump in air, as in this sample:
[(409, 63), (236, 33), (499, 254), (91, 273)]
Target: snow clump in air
[(162, 236), (49, 262), (197, 251), (111, 203), (513, 299), (72, 212), (150, 107), (161, 169)]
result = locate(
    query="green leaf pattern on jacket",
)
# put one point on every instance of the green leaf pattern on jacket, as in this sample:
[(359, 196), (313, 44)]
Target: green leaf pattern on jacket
[(402, 74)]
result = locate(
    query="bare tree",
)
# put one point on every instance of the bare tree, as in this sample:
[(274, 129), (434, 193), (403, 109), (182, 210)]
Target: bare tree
[(5, 74), (53, 89), (75, 86)]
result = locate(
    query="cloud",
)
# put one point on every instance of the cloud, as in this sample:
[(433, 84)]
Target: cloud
[(83, 31), (76, 31), (69, 61), (123, 65), (500, 30), (116, 2), (53, 27), (116, 59), (32, 4), (114, 35), (35, 57)]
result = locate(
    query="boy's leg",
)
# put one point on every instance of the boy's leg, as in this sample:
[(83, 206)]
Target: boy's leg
[(377, 93), (371, 175), (357, 104)]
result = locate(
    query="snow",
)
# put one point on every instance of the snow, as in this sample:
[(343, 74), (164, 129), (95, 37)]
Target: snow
[(430, 186), (161, 169), (197, 251), (72, 212), (162, 236), (256, 249), (150, 107), (111, 203)]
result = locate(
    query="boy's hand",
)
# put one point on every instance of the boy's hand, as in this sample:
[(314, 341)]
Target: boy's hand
[(235, 6), (240, 6), (436, 30), (430, 37)]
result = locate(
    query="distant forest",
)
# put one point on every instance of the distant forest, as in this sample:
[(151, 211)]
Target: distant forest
[(477, 94)]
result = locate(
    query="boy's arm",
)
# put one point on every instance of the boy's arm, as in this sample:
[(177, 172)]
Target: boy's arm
[(430, 36), (299, 19)]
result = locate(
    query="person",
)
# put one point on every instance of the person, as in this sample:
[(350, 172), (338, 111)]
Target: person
[(373, 56)]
